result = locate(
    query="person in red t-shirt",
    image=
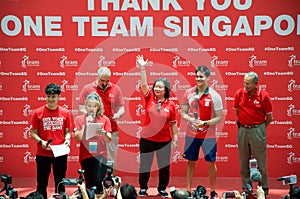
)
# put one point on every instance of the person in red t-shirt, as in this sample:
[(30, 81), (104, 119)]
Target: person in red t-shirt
[(202, 108), (159, 122), (113, 101), (50, 124), (93, 152), (254, 113)]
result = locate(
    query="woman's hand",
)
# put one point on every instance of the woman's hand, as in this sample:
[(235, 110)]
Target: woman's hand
[(140, 62)]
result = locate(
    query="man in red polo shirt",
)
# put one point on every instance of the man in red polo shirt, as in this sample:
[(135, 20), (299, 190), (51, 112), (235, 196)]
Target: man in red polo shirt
[(202, 108), (113, 101), (254, 113)]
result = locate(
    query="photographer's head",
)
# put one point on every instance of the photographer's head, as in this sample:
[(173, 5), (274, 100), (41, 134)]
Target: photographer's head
[(34, 195), (128, 191)]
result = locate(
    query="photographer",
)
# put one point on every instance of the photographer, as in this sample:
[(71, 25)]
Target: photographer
[(84, 194), (125, 191), (10, 193)]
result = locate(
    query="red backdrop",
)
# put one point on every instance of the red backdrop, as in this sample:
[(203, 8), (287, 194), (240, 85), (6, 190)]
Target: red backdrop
[(67, 41)]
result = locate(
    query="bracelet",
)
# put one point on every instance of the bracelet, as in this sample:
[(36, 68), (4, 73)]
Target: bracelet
[(40, 142)]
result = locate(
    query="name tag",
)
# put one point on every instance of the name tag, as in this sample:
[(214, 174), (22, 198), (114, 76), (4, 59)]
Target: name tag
[(93, 147)]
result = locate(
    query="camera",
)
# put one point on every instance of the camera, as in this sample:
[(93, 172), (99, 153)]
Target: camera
[(200, 193), (291, 179), (61, 196), (108, 180), (179, 194), (74, 181), (228, 194), (9, 190)]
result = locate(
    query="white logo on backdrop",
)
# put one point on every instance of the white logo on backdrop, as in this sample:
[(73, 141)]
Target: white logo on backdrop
[(177, 86), (27, 110), (67, 87), (256, 62), (139, 110), (293, 61), (103, 63), (216, 62), (138, 132), (29, 87), (65, 62), (26, 62), (28, 157), (292, 111), (26, 133), (292, 86), (292, 158)]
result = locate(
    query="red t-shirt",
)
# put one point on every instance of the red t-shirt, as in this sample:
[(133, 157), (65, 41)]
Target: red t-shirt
[(157, 123), (252, 108), (50, 124), (112, 99), (95, 145), (209, 102)]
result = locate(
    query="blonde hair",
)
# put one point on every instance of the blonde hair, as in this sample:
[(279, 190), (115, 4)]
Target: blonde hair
[(95, 97)]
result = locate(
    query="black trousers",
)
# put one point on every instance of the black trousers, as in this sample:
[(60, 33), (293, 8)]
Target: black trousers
[(94, 172), (163, 153), (43, 166)]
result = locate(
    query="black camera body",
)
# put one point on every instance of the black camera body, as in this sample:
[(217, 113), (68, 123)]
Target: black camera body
[(200, 193), (108, 180), (61, 196), (74, 181), (9, 190)]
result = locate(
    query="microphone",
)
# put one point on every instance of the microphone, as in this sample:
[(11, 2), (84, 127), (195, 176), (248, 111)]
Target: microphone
[(49, 141), (91, 114), (249, 187), (196, 115)]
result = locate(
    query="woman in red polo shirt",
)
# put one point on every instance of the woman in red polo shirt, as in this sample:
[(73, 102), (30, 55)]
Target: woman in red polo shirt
[(159, 122), (93, 152)]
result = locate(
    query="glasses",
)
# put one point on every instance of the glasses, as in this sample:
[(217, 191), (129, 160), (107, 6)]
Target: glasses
[(158, 106)]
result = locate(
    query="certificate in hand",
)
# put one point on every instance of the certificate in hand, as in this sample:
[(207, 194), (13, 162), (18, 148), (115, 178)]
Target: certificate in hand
[(91, 129)]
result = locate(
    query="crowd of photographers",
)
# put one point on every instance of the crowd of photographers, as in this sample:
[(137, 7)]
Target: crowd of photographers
[(113, 187)]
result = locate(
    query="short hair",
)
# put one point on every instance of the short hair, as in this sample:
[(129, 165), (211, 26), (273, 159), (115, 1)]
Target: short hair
[(167, 86), (104, 71), (34, 195), (252, 75), (203, 69), (93, 96), (295, 193), (128, 191), (52, 89)]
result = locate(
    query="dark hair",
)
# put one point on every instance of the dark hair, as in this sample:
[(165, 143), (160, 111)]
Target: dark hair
[(203, 69), (128, 191), (52, 89), (34, 195), (167, 86)]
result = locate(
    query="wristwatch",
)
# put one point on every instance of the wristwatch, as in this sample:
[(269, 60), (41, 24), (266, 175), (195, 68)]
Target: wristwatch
[(40, 142), (205, 124)]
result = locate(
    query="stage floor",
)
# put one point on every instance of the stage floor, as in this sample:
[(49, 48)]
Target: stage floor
[(277, 190)]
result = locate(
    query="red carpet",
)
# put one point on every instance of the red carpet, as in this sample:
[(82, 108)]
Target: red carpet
[(277, 190)]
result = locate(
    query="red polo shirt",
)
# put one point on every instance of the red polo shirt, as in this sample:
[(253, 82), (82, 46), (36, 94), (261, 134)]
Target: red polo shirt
[(157, 123), (209, 102), (84, 153), (112, 99), (252, 108)]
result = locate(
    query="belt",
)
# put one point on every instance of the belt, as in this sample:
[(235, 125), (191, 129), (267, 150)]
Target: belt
[(250, 126)]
